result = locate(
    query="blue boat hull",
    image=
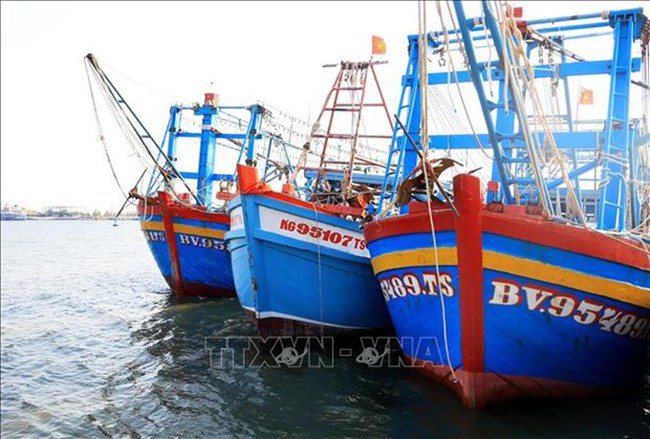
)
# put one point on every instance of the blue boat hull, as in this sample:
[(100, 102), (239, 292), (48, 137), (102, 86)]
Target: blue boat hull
[(299, 271), (515, 307), (154, 233), (189, 248)]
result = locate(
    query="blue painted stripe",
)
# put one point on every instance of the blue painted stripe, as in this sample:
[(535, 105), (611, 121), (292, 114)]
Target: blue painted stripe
[(566, 259), (150, 218), (411, 241)]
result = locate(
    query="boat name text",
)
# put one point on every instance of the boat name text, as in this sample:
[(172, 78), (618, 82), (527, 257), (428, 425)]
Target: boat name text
[(324, 234), (429, 284), (313, 231), (564, 305), (154, 235), (202, 242), (236, 219)]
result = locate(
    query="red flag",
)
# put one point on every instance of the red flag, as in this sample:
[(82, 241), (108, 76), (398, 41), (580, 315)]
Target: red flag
[(586, 96), (378, 45)]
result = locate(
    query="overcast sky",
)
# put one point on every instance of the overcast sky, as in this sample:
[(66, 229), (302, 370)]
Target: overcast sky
[(167, 52)]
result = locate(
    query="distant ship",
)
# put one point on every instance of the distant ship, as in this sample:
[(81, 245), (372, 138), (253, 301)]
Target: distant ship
[(14, 213)]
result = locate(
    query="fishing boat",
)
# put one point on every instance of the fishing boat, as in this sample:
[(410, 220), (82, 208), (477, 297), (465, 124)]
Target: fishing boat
[(187, 235), (527, 276), (184, 226), (301, 266)]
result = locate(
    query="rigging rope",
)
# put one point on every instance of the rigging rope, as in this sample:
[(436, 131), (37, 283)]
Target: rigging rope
[(101, 135), (424, 136), (453, 67), (320, 274), (114, 102), (519, 75)]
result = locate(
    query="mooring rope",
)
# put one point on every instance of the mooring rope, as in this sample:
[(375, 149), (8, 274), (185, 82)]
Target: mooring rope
[(320, 275)]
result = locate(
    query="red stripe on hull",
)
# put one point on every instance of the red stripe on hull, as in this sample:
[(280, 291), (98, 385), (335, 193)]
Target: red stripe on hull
[(404, 225), (180, 210), (150, 208), (198, 213), (168, 223), (250, 184), (566, 237), (499, 389), (469, 251)]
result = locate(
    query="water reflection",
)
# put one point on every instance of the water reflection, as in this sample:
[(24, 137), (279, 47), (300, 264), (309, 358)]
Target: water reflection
[(94, 345), (350, 399)]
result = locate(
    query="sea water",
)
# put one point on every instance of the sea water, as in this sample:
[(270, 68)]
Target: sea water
[(95, 345)]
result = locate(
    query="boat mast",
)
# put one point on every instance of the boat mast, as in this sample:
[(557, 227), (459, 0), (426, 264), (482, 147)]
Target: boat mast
[(401, 150), (208, 111), (351, 78), (209, 135), (617, 155), (615, 172)]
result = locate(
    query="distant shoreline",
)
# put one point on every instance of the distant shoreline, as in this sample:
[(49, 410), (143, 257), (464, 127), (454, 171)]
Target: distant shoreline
[(63, 218)]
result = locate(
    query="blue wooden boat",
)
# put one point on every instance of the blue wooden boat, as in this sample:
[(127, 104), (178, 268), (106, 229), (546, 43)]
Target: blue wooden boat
[(188, 245), (529, 285), (186, 236), (302, 267)]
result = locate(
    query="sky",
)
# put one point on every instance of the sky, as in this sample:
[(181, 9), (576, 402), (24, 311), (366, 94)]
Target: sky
[(160, 53)]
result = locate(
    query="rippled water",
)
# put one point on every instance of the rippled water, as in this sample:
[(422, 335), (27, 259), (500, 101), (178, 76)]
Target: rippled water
[(93, 345)]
